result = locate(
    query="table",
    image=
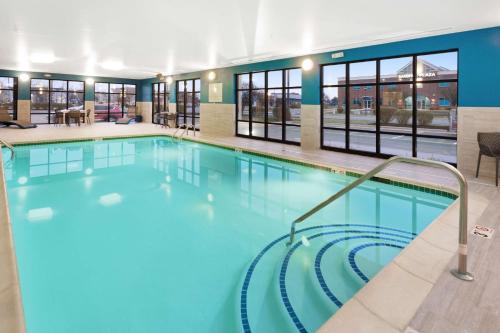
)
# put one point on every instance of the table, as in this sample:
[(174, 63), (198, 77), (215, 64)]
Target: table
[(82, 113)]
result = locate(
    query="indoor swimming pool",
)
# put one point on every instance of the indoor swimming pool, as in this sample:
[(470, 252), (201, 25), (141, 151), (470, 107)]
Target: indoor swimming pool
[(155, 235)]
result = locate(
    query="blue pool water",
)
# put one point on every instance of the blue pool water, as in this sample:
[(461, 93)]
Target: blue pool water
[(148, 235)]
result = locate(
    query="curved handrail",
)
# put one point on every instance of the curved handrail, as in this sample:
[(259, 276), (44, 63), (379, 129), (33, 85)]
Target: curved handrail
[(8, 145), (461, 272)]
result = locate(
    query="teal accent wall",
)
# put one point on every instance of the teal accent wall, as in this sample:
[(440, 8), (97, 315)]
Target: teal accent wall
[(24, 89), (478, 65)]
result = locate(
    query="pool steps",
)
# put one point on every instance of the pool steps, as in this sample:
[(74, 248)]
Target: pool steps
[(308, 305)]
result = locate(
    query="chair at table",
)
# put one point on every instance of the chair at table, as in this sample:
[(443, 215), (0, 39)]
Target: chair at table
[(489, 145), (169, 120), (88, 121), (59, 118), (73, 115)]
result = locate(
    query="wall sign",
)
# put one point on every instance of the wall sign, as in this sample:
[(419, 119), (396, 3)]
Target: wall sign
[(337, 55)]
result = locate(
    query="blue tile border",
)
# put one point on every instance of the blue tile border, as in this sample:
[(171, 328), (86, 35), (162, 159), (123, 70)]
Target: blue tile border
[(352, 257), (244, 290), (328, 292)]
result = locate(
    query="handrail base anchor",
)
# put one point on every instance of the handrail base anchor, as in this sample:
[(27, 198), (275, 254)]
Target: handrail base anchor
[(462, 276)]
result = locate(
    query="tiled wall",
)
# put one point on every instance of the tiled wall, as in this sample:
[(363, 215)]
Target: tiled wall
[(310, 126), (23, 110), (217, 119), (145, 109)]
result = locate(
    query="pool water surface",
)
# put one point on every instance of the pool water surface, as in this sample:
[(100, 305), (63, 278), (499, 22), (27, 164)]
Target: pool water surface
[(152, 235)]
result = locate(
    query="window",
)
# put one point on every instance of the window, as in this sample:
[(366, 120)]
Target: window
[(404, 106), (114, 101), (269, 105), (161, 96), (8, 95), (188, 103), (48, 96)]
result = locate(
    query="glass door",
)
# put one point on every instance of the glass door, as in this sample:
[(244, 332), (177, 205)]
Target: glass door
[(188, 103)]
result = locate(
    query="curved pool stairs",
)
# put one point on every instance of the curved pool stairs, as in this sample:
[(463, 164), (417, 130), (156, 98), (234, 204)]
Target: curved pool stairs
[(297, 288)]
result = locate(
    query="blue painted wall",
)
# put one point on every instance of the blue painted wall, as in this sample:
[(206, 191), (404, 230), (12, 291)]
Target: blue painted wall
[(479, 67)]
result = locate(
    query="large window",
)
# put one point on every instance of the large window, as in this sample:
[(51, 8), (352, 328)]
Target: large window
[(114, 101), (8, 95), (269, 104), (404, 106), (48, 96), (161, 96), (188, 102)]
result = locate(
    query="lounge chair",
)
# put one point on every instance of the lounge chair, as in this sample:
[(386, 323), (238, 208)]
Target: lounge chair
[(6, 119), (124, 121)]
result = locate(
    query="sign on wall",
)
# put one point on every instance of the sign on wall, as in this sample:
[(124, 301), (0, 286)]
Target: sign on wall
[(215, 93)]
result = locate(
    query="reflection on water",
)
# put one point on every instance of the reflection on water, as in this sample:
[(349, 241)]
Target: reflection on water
[(32, 162), (272, 189)]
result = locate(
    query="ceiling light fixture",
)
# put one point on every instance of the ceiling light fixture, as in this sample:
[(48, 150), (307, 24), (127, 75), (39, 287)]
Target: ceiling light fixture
[(211, 76), (307, 64), (160, 77), (113, 65), (24, 77)]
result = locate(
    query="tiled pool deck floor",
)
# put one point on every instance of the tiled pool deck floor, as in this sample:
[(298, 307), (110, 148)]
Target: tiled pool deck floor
[(414, 293)]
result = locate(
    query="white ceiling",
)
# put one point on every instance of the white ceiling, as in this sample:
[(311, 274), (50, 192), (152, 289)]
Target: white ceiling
[(167, 36)]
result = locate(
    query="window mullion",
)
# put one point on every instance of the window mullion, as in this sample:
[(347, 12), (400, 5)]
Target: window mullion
[(414, 108)]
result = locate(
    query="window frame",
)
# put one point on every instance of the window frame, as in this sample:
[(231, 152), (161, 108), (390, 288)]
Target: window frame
[(184, 112), (14, 90), (123, 93), (377, 85), (283, 88), (50, 91), (166, 98)]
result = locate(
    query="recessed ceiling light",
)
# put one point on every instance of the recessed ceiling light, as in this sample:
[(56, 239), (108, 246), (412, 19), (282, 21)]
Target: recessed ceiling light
[(42, 58), (113, 65)]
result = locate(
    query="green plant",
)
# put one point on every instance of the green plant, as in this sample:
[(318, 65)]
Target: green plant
[(386, 114), (424, 118), (402, 116)]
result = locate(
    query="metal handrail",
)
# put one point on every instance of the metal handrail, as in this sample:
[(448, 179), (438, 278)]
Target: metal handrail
[(461, 272), (8, 145)]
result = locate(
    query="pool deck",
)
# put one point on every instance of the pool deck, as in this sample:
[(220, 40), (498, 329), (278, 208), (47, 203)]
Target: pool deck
[(414, 293)]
